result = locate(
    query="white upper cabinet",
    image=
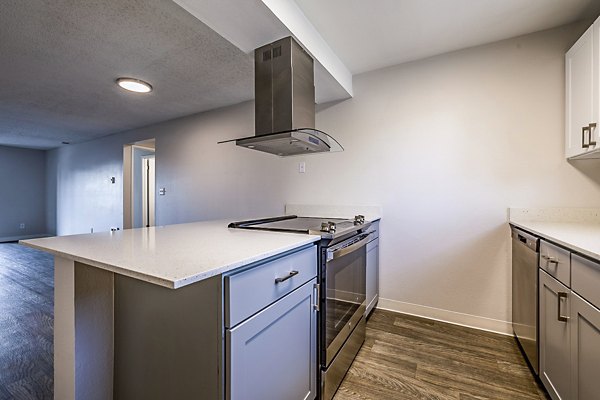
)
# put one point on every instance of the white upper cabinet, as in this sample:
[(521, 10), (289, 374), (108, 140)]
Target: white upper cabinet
[(582, 108)]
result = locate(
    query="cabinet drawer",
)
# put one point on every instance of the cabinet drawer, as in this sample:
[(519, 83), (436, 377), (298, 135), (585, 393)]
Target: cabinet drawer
[(556, 261), (252, 290), (585, 279)]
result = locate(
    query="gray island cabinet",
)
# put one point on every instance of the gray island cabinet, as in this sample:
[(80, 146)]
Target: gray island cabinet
[(191, 311), (271, 334)]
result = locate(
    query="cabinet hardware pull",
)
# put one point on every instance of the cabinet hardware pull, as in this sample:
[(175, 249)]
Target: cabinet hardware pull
[(317, 291), (590, 127), (560, 316), (583, 143), (285, 278), (550, 260)]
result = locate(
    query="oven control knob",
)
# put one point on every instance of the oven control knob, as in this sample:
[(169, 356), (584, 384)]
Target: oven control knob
[(359, 219), (328, 226)]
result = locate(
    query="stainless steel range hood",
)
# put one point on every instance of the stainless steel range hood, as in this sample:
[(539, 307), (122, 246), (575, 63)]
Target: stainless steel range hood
[(285, 103)]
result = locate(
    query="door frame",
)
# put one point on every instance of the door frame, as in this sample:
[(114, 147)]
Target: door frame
[(128, 182)]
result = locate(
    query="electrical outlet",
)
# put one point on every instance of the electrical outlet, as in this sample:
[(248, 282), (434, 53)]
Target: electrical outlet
[(301, 167), (22, 225), (162, 191)]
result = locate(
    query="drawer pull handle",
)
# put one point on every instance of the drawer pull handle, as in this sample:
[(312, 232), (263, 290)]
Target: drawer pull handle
[(591, 127), (550, 260), (317, 289), (285, 278), (560, 316)]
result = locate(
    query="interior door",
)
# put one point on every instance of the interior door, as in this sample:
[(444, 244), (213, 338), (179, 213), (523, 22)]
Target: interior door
[(148, 191)]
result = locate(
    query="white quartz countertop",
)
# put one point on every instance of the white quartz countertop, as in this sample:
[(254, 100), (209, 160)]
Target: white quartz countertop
[(174, 255), (581, 237)]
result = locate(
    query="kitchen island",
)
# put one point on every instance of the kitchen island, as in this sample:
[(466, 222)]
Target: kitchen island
[(140, 313)]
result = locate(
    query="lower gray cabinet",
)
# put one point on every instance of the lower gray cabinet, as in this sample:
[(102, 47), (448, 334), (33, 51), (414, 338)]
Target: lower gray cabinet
[(585, 350), (372, 275), (555, 339), (272, 355)]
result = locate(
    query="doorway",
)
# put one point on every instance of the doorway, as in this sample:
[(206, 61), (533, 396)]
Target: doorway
[(148, 181), (139, 183)]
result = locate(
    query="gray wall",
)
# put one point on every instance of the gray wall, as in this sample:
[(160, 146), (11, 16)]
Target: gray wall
[(23, 193), (203, 180)]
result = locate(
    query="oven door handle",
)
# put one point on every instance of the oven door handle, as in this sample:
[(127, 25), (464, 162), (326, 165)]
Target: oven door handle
[(333, 254)]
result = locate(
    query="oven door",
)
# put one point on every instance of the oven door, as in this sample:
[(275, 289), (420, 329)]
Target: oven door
[(345, 292)]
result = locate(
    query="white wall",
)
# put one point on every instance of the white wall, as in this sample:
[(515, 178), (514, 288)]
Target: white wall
[(203, 180), (445, 146), (23, 193)]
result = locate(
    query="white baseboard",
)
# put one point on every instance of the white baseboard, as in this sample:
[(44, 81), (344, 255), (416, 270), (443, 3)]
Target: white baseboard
[(452, 317), (22, 237)]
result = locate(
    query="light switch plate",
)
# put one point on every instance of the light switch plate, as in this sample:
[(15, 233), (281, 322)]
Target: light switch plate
[(301, 167)]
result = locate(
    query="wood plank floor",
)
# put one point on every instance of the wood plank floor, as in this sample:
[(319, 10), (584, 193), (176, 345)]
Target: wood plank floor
[(406, 357), (403, 357), (26, 323)]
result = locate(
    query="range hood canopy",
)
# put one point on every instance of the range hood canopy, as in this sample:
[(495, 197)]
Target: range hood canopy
[(284, 89)]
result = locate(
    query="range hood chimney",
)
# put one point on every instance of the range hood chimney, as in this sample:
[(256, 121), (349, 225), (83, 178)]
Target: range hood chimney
[(284, 91)]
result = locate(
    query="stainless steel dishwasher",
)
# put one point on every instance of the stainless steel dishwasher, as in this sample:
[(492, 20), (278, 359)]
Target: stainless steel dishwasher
[(525, 256)]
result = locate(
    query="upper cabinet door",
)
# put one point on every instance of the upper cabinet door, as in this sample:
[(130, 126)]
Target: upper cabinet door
[(580, 108)]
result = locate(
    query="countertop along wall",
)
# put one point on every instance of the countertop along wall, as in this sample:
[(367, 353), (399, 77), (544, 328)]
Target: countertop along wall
[(23, 193), (445, 146), (203, 180)]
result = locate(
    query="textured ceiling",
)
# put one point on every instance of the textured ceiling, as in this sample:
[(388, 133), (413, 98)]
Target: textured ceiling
[(60, 58), (368, 35)]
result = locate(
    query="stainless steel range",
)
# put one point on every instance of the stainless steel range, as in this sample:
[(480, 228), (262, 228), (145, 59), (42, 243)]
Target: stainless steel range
[(342, 275)]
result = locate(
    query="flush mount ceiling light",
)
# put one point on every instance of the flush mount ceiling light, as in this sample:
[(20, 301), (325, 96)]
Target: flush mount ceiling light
[(134, 85)]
